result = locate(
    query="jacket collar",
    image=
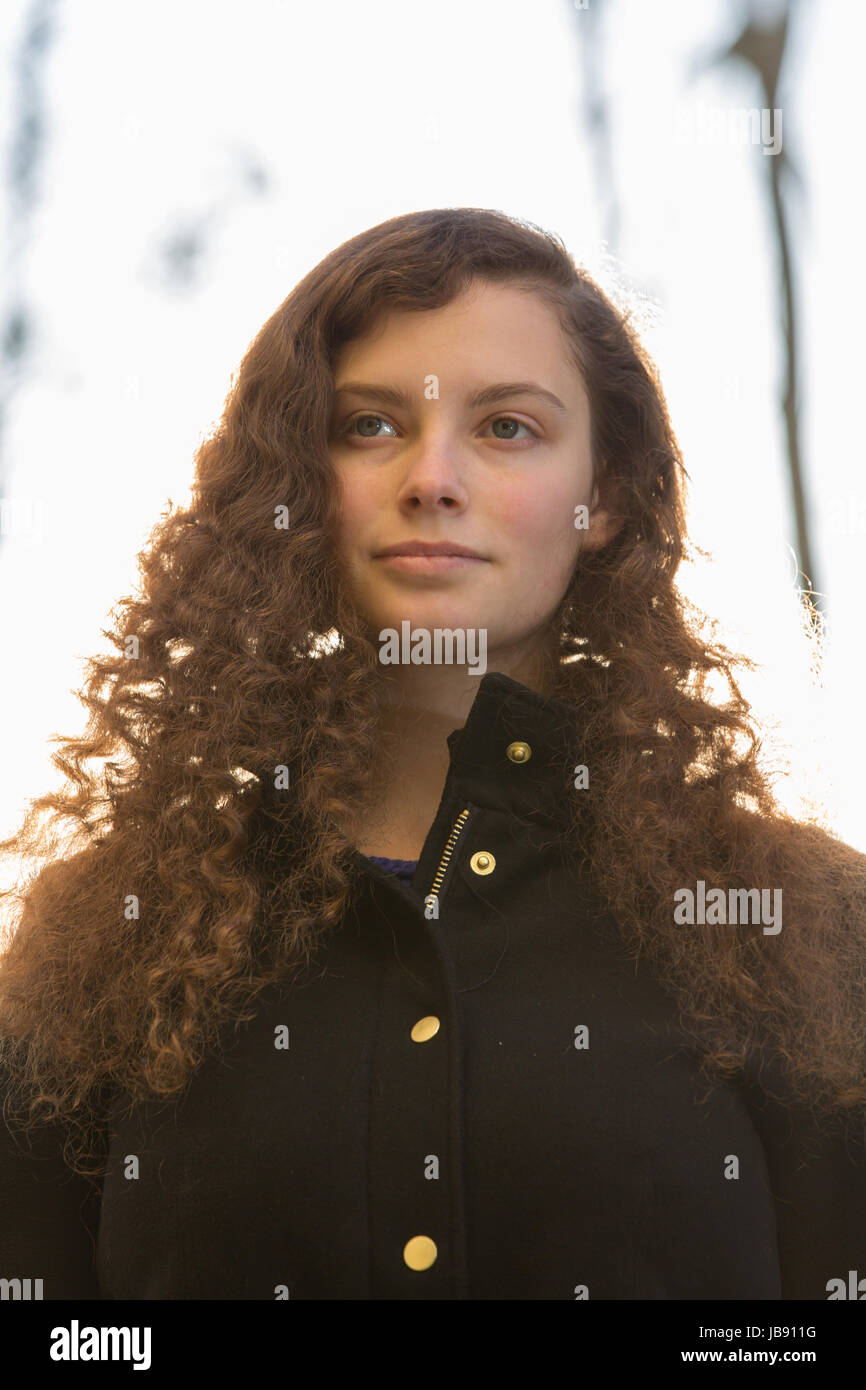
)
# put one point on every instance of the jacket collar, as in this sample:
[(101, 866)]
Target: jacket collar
[(539, 789), (505, 713)]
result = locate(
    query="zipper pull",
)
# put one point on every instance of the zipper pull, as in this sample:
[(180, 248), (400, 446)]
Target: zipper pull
[(431, 901)]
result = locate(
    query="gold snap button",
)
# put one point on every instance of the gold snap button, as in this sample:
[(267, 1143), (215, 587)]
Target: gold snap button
[(482, 862), (420, 1252), (519, 752), (425, 1028)]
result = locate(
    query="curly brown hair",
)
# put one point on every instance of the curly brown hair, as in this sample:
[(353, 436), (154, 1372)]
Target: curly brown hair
[(188, 884)]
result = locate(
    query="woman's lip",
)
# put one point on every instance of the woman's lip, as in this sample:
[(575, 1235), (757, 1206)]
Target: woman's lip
[(432, 563)]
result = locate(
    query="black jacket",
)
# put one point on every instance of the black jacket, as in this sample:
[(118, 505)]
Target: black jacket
[(491, 1104)]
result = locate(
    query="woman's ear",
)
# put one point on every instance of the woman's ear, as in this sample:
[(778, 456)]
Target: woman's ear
[(604, 523)]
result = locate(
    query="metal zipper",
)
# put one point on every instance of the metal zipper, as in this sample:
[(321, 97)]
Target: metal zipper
[(458, 826)]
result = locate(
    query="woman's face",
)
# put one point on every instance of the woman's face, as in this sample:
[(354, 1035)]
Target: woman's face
[(502, 477)]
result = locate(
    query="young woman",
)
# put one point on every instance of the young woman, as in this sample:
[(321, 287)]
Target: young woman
[(430, 932)]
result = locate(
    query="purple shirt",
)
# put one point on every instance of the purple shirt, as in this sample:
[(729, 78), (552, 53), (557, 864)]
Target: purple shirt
[(402, 868)]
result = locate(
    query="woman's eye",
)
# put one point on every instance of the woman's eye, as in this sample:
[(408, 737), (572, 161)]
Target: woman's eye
[(366, 420), (510, 420)]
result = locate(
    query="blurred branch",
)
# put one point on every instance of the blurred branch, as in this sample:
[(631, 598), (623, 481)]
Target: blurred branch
[(26, 152), (596, 114), (763, 49), (182, 251)]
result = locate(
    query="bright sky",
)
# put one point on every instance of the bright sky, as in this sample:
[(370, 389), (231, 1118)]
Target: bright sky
[(158, 115)]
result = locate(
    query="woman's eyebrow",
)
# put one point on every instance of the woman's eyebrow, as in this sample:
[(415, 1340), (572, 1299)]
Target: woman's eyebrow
[(488, 395)]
